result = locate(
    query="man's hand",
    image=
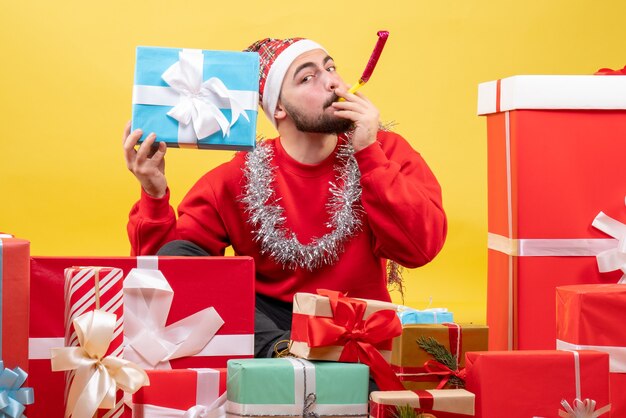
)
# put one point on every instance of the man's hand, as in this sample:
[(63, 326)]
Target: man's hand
[(147, 163), (362, 112)]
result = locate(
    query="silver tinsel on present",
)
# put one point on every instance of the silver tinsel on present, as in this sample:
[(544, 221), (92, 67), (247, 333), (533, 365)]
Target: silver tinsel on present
[(267, 218)]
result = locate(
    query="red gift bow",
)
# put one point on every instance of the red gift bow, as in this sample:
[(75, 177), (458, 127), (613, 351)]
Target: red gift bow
[(357, 336), (434, 367), (608, 71)]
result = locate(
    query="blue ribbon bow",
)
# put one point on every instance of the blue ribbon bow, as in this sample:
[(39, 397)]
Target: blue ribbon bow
[(13, 398)]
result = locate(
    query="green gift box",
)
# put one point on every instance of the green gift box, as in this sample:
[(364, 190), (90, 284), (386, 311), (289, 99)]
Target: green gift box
[(289, 387)]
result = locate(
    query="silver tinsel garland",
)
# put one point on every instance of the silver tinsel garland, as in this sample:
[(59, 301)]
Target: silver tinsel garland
[(267, 218)]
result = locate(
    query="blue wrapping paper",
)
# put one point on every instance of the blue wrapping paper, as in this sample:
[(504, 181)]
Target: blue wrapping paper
[(236, 72)]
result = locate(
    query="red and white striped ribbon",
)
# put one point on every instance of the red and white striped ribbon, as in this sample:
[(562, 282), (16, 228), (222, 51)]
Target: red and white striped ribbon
[(86, 289)]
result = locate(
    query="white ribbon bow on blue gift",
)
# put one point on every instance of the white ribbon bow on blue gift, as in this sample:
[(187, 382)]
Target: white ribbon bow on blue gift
[(409, 315), (614, 258), (200, 101)]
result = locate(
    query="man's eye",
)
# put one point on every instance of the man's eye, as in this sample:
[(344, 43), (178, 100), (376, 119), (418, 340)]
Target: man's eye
[(307, 78), (331, 68)]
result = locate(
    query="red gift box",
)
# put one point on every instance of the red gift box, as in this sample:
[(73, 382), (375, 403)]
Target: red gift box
[(14, 292), (532, 383), (555, 147), (175, 391), (197, 282), (587, 319)]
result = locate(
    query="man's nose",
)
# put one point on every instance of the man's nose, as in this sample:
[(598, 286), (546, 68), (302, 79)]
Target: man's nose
[(333, 81)]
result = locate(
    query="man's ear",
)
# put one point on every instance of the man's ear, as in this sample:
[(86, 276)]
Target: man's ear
[(279, 113)]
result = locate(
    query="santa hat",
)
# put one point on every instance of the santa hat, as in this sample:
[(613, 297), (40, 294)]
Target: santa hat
[(276, 55)]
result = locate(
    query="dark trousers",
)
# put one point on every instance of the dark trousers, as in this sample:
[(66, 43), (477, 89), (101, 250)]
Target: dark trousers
[(272, 317)]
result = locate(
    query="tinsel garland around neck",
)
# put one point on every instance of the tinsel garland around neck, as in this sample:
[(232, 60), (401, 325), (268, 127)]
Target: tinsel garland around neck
[(267, 217)]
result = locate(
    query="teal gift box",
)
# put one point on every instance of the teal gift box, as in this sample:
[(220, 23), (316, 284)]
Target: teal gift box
[(194, 98), (427, 316), (287, 387)]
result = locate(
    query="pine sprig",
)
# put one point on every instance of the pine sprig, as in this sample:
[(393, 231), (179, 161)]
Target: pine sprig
[(443, 356), (407, 411)]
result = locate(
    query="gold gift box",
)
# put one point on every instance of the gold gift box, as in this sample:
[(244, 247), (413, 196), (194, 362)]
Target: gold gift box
[(408, 358)]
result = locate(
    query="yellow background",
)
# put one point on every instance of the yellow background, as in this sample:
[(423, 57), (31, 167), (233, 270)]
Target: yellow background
[(66, 76)]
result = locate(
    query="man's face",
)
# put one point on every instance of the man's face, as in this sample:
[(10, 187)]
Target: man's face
[(308, 92)]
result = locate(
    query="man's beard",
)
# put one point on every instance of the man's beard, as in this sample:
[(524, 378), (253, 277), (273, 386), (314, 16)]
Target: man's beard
[(323, 124)]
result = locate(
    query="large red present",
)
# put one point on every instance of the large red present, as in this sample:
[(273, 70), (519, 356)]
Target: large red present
[(14, 299), (588, 318), (555, 147), (533, 383), (198, 283), (173, 392), (331, 326)]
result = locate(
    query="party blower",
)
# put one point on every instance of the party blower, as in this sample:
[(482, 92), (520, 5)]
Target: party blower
[(371, 64)]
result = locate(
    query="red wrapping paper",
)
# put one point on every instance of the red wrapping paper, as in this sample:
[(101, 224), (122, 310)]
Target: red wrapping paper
[(532, 383), (15, 289), (178, 389), (588, 316), (197, 283), (565, 167)]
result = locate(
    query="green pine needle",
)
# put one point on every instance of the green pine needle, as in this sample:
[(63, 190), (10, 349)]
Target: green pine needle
[(406, 411), (443, 356)]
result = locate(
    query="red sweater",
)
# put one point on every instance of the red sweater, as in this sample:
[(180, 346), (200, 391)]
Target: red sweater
[(404, 220)]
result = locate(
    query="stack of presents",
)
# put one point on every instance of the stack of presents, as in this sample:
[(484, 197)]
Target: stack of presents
[(171, 337)]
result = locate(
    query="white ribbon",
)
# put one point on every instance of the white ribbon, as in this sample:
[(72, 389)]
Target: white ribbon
[(214, 410), (614, 258), (582, 409), (617, 355), (549, 247), (147, 301)]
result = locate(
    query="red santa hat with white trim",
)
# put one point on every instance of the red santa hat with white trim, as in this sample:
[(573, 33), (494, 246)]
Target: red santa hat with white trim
[(276, 55)]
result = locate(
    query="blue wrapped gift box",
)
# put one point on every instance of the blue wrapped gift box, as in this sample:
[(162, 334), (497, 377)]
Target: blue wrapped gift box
[(196, 98), (427, 316)]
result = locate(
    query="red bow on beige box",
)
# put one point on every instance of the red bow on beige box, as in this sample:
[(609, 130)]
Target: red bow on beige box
[(358, 334)]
